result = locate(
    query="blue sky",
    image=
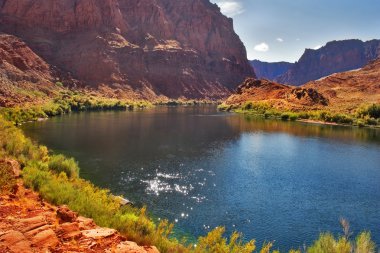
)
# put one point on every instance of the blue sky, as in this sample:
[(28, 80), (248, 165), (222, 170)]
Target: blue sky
[(280, 30)]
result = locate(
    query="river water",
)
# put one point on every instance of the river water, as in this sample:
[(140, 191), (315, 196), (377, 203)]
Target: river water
[(270, 180)]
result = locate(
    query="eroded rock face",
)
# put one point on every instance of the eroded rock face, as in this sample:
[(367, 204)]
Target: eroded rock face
[(151, 47), (348, 90), (22, 68), (334, 57), (278, 95)]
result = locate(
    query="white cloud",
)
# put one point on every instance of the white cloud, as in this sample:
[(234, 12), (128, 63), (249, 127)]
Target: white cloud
[(262, 47), (230, 8), (298, 39), (317, 47), (280, 40)]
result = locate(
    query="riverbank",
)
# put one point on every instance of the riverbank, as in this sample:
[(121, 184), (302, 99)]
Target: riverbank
[(364, 116)]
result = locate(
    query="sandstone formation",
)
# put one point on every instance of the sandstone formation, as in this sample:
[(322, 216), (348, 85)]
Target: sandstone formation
[(270, 70), (334, 57), (139, 48), (341, 92), (348, 90), (28, 224), (279, 95), (21, 69)]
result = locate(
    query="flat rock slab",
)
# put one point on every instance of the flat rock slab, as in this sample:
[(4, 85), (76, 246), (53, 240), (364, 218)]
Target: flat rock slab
[(45, 239), (15, 241), (132, 247), (99, 233)]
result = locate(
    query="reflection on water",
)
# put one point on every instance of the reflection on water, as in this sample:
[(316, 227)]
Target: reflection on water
[(286, 181)]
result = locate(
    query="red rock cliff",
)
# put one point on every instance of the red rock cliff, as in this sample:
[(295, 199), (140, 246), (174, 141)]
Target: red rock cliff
[(152, 47)]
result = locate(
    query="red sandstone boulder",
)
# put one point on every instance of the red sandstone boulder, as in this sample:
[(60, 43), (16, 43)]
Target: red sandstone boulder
[(66, 215)]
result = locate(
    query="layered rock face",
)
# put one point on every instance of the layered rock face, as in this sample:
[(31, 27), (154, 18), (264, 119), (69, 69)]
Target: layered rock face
[(149, 47), (334, 57), (22, 69), (270, 70)]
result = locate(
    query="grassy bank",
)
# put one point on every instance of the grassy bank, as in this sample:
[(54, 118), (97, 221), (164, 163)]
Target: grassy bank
[(66, 103), (365, 115), (191, 102), (56, 178)]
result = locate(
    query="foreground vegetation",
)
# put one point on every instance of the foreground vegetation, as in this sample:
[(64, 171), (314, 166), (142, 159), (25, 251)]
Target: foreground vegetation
[(365, 115), (56, 178)]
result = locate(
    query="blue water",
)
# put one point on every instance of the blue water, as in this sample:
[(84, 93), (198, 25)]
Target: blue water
[(270, 180)]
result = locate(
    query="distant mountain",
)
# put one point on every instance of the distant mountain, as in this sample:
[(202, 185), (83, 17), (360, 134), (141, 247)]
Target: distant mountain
[(341, 92), (270, 70), (334, 57), (140, 48)]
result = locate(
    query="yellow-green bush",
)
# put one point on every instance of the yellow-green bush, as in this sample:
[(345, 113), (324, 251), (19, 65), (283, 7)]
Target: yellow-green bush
[(328, 244), (7, 180), (59, 163), (214, 241), (371, 111), (67, 103)]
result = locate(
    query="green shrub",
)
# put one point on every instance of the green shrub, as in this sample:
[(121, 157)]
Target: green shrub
[(372, 111), (248, 106), (14, 144), (371, 121), (293, 116), (285, 116), (360, 123), (7, 179), (59, 163), (268, 114), (327, 244), (364, 243), (215, 242)]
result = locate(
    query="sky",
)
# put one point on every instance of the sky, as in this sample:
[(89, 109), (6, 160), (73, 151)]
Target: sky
[(280, 30)]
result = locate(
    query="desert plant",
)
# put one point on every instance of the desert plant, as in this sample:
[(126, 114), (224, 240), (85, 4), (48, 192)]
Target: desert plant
[(7, 179), (364, 243), (215, 242), (59, 163)]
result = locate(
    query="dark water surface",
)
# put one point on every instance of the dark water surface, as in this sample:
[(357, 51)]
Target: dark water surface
[(271, 180)]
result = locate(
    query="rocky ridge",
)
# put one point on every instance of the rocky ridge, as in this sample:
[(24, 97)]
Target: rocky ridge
[(278, 95), (334, 57), (21, 69), (341, 92)]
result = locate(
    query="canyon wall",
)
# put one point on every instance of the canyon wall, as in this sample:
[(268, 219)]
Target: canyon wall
[(150, 48)]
